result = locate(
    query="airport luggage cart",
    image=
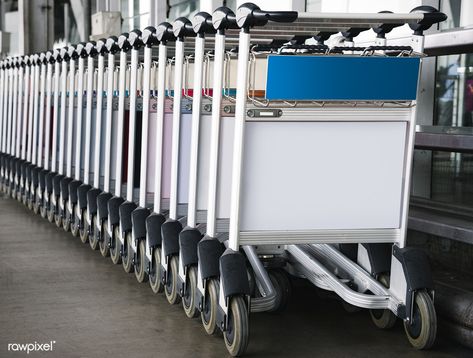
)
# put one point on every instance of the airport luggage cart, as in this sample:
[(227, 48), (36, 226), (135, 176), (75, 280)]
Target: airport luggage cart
[(73, 138), (43, 192), (99, 146), (111, 136), (339, 127), (16, 165), (113, 204), (81, 213)]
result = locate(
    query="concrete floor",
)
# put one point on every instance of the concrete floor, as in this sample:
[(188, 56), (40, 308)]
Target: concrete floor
[(52, 287)]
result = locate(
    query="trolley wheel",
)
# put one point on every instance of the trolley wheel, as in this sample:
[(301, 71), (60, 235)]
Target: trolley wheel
[(84, 231), (170, 288), (58, 220), (283, 288), (188, 297), (237, 333), (155, 274), (74, 225), (103, 242), (422, 331), (43, 211), (115, 247), (36, 206), (66, 223), (127, 257), (93, 238), (210, 307), (51, 214), (140, 262), (383, 319)]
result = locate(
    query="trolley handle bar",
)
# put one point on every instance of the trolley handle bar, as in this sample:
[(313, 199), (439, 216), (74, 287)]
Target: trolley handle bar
[(202, 24), (165, 33), (182, 27)]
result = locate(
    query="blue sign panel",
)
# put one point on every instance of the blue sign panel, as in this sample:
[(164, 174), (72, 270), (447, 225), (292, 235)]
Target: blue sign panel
[(342, 78)]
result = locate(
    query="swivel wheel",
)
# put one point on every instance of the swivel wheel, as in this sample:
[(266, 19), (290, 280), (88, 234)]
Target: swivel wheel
[(421, 332), (237, 331), (103, 239), (127, 254), (115, 247), (383, 319), (140, 260), (155, 272), (188, 296), (94, 234), (170, 288), (209, 309)]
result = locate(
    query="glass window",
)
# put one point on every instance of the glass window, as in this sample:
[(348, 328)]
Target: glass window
[(454, 91), (459, 12), (186, 8)]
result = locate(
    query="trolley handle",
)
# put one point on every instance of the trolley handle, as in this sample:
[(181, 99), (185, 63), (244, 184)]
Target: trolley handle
[(90, 49), (80, 50), (49, 58), (101, 47), (382, 29), (431, 16), (112, 45), (148, 36), (224, 18), (165, 33), (182, 28), (202, 24), (250, 15), (123, 43), (340, 49), (134, 39), (42, 59), (64, 54)]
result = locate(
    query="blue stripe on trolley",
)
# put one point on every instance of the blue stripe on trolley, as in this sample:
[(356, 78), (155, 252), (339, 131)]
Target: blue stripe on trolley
[(341, 78)]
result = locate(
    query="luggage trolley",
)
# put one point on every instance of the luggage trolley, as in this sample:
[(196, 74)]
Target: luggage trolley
[(81, 214), (111, 136), (40, 172), (99, 147), (50, 179), (43, 192), (72, 140), (116, 237), (161, 157), (128, 206), (16, 166), (273, 132), (5, 121)]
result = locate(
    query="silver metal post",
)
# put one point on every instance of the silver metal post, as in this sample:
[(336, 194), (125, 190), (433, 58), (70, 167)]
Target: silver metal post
[(240, 118), (41, 114), (214, 133), (35, 114), (88, 117), (70, 116), (121, 120), (98, 120), (132, 125), (47, 139), (55, 116), (176, 126), (194, 154), (108, 129), (80, 100), (20, 120), (145, 126), (62, 126), (159, 126)]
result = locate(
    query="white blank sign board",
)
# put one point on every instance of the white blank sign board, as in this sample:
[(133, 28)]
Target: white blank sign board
[(322, 175)]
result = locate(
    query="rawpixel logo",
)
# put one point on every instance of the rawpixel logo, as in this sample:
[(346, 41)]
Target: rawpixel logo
[(31, 347)]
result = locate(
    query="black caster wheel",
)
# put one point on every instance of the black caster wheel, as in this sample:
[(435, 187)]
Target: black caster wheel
[(58, 220), (74, 222), (170, 288), (237, 331), (51, 216), (283, 288), (127, 256), (94, 235), (115, 247), (155, 274), (140, 259), (84, 230), (103, 242), (43, 211), (208, 313), (188, 297), (421, 332), (383, 319), (66, 222), (36, 206)]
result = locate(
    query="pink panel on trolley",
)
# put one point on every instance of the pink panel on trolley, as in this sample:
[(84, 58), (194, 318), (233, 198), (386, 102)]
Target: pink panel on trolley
[(151, 164)]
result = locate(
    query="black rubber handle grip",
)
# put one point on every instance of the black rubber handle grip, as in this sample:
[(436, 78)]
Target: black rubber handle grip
[(101, 47), (134, 38), (431, 16), (165, 33), (112, 45), (90, 48), (148, 36), (224, 18), (249, 15), (123, 43), (202, 23), (182, 28)]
